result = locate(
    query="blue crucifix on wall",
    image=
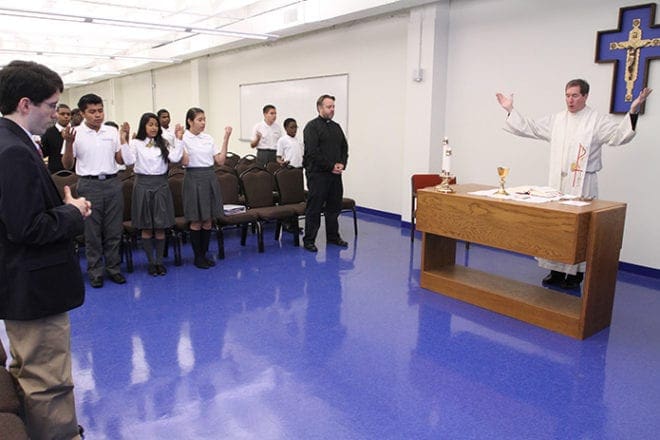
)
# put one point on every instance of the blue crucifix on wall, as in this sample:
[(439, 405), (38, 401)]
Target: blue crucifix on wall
[(631, 47)]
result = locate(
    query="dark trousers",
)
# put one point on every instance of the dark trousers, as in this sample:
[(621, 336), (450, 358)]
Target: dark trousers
[(265, 156), (104, 227), (325, 194)]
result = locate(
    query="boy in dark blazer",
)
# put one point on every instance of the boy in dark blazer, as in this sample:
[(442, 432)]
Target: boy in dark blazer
[(40, 278), (52, 141)]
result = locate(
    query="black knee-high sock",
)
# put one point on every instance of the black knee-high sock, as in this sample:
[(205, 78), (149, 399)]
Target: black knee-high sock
[(160, 250), (196, 243), (148, 247), (195, 238), (206, 238), (205, 234)]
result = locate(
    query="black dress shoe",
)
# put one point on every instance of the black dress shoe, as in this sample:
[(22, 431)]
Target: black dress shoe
[(201, 263), (338, 242), (210, 262), (117, 278), (160, 269), (152, 269), (310, 247), (96, 282), (572, 282), (554, 278)]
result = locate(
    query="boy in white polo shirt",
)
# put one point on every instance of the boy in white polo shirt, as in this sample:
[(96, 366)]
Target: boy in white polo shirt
[(289, 147)]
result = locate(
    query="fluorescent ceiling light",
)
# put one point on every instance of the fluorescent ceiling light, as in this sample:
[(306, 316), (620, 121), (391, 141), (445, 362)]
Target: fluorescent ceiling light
[(90, 55), (134, 24)]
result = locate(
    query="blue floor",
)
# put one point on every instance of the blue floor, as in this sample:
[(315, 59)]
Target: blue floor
[(344, 344)]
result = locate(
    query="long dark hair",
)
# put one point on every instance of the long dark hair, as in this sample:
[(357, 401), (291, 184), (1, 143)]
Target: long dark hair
[(190, 115), (158, 140)]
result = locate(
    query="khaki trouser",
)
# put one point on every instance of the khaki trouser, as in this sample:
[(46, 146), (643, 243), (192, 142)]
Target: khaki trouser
[(41, 363)]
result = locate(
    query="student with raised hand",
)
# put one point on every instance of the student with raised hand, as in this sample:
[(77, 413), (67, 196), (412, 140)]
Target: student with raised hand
[(152, 208), (202, 200), (96, 150), (265, 136)]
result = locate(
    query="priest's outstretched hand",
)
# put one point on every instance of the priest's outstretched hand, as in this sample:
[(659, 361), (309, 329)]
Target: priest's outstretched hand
[(505, 101), (634, 107)]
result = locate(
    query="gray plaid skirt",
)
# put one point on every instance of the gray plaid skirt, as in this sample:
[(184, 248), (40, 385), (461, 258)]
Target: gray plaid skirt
[(202, 199), (152, 206)]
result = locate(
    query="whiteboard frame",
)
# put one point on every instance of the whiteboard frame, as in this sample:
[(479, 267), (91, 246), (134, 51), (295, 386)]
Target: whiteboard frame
[(301, 124)]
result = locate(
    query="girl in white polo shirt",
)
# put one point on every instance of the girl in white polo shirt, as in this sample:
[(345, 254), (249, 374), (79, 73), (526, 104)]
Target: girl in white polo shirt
[(202, 200), (152, 209)]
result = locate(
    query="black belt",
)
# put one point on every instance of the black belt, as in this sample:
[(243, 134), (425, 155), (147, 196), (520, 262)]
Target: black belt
[(100, 177)]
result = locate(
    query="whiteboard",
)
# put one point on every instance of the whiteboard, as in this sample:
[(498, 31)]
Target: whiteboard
[(293, 98)]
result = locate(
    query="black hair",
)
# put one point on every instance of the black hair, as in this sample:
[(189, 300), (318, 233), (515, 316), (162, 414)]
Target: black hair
[(287, 121), (26, 79), (89, 99), (111, 124), (191, 114), (267, 108), (161, 111), (160, 142), (62, 105)]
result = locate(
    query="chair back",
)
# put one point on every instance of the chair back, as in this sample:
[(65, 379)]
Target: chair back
[(231, 159), (174, 168), (127, 191), (241, 167), (290, 184), (424, 180), (226, 169), (229, 187), (258, 187), (175, 182), (272, 167), (3, 355), (126, 173), (63, 178)]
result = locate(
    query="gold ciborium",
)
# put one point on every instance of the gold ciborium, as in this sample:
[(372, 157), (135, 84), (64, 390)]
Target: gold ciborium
[(502, 172)]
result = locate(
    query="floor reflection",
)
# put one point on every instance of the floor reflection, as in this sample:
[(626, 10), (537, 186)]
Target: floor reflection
[(344, 344)]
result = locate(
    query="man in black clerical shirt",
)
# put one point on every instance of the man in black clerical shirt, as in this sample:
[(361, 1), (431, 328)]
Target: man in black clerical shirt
[(326, 154), (52, 140)]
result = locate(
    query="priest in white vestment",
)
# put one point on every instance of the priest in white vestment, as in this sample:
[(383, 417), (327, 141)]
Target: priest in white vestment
[(576, 138)]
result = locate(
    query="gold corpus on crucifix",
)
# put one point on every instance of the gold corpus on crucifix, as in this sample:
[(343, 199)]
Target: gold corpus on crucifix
[(633, 46)]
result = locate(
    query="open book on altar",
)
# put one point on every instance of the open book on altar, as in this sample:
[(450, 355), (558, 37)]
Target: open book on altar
[(546, 192), (530, 194)]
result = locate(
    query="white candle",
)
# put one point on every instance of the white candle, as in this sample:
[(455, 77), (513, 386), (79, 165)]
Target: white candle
[(446, 156)]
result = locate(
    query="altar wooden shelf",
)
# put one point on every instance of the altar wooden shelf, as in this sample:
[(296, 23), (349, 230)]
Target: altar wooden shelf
[(554, 231)]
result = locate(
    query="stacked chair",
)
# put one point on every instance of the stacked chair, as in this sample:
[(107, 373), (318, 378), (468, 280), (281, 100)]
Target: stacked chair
[(245, 163), (68, 178), (258, 189), (291, 189), (64, 178), (230, 188), (11, 425), (274, 194), (231, 160)]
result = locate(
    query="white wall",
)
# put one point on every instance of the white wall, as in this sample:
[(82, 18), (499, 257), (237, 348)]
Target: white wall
[(375, 70), (531, 48)]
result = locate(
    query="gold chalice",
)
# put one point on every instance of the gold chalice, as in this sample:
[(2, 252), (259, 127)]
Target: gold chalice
[(502, 172)]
